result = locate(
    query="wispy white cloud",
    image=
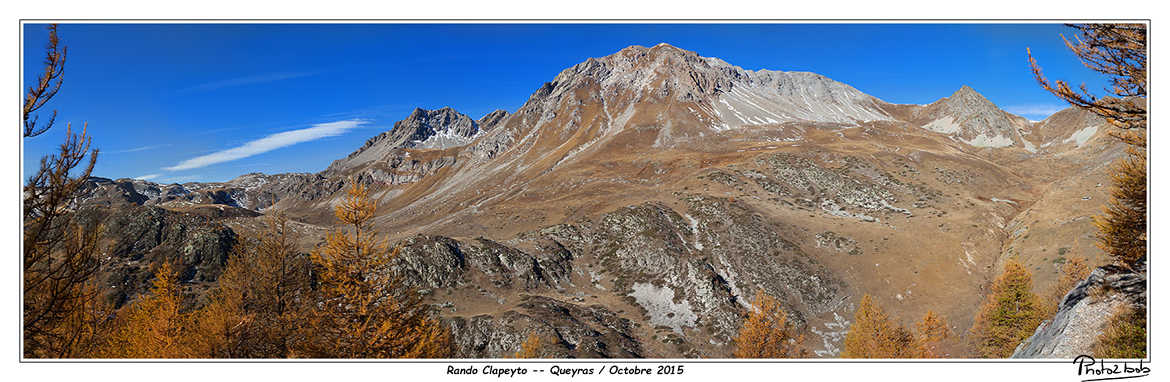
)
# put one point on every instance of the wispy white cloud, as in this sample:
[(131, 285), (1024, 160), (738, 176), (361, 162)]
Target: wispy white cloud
[(269, 143), (1035, 110), (147, 177), (248, 80), (140, 148)]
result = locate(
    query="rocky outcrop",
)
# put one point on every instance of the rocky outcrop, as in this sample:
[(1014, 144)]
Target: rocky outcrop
[(490, 120), (140, 238), (566, 330), (1084, 312), (856, 190), (440, 262)]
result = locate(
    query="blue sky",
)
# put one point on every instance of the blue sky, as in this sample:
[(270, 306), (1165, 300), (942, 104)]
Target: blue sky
[(209, 102)]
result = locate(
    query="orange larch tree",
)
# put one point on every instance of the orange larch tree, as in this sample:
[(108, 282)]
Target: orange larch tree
[(154, 327), (873, 335), (263, 297), (365, 310), (1008, 315), (61, 255), (767, 333), (932, 334)]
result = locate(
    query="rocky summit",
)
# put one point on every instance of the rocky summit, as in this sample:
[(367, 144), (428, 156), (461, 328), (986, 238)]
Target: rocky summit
[(634, 204)]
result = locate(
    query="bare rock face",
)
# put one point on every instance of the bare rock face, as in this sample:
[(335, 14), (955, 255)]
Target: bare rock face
[(418, 129), (733, 96), (440, 262), (141, 237), (566, 330), (1085, 311), (490, 120), (678, 93), (387, 159)]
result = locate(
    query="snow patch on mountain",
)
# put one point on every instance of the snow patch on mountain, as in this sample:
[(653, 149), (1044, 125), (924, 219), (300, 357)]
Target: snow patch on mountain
[(1082, 136), (445, 139), (944, 125), (660, 306)]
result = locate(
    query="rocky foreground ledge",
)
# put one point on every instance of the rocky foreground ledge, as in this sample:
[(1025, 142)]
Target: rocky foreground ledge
[(1085, 311)]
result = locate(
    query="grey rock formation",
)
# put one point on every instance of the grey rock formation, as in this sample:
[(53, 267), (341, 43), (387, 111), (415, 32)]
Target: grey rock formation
[(490, 120), (575, 331), (440, 262), (142, 237), (1084, 312)]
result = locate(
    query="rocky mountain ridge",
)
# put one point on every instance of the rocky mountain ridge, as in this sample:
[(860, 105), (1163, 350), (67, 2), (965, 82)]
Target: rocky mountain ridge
[(635, 202)]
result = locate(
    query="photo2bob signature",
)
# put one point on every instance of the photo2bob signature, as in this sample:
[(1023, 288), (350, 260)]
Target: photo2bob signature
[(1105, 370)]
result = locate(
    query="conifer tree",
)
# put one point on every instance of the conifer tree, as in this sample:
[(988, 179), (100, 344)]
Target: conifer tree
[(1123, 227), (61, 255), (1119, 52), (154, 327), (1008, 315), (263, 296), (873, 335), (532, 347), (219, 329), (365, 311), (766, 333), (932, 334)]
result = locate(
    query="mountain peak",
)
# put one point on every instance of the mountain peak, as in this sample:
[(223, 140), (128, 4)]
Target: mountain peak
[(660, 47), (973, 119), (965, 92), (417, 129), (719, 95), (422, 129), (965, 101), (445, 111)]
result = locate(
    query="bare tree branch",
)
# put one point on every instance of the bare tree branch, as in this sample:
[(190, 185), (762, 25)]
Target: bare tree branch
[(48, 83)]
